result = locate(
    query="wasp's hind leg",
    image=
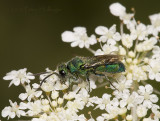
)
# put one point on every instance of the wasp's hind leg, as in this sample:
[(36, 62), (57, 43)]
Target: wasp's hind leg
[(88, 84), (87, 76), (106, 79)]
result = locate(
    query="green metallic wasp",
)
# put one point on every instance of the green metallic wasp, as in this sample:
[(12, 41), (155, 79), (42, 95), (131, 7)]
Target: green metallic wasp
[(84, 66)]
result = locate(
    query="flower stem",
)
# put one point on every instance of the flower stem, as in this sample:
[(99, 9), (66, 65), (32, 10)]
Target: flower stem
[(92, 51), (49, 101), (121, 27), (134, 108)]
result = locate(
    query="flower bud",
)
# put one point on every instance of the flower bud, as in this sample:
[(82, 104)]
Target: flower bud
[(54, 94), (54, 103), (60, 101)]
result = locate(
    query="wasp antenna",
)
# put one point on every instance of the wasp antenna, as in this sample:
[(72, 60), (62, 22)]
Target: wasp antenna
[(48, 77), (37, 74)]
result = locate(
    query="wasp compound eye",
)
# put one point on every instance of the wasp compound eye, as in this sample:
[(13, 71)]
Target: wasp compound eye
[(62, 73)]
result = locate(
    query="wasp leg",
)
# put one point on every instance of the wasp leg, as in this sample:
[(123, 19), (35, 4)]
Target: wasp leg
[(87, 76), (88, 84), (110, 83), (70, 87), (106, 79)]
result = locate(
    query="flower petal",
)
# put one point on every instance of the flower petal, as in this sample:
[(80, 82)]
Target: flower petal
[(6, 111), (68, 36), (117, 9), (16, 81), (158, 77), (101, 30), (23, 96), (154, 98), (149, 88)]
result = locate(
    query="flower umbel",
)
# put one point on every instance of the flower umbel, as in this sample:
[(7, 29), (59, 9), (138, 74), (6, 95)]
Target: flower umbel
[(130, 98)]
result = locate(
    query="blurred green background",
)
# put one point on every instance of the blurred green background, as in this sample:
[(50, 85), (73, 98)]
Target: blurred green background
[(30, 32)]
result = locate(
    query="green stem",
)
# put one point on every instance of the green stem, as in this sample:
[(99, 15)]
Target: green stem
[(133, 109)]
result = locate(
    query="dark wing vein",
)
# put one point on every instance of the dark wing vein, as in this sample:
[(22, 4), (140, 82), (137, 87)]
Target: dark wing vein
[(101, 60)]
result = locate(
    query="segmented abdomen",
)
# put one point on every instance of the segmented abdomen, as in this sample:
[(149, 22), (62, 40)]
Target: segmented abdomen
[(111, 68)]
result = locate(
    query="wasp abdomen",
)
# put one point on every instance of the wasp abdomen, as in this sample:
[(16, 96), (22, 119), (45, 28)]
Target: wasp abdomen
[(111, 68)]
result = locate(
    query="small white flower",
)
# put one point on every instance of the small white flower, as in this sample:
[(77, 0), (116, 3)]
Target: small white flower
[(54, 103), (127, 40), (155, 20), (103, 102), (130, 99), (129, 117), (34, 108), (69, 96), (127, 17), (113, 111), (148, 97), (68, 115), (122, 50), (152, 30), (140, 32), (146, 45), (154, 70), (141, 111), (100, 118), (82, 96), (79, 37), (123, 83), (54, 94), (20, 76), (75, 105), (30, 93), (47, 87), (12, 111), (157, 115), (107, 49), (81, 118), (131, 25), (119, 10), (46, 108), (45, 102), (156, 52), (122, 111), (108, 34), (92, 100), (139, 74), (60, 101)]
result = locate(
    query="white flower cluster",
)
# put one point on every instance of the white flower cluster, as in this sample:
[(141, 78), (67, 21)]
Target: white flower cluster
[(132, 98)]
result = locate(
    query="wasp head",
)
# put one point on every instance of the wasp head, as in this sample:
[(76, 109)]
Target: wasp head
[(63, 71)]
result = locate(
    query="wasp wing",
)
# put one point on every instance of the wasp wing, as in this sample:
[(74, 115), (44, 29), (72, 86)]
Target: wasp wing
[(100, 60)]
